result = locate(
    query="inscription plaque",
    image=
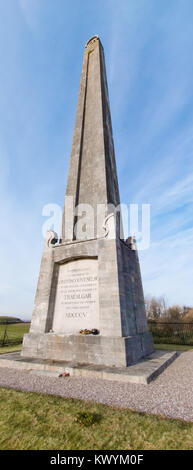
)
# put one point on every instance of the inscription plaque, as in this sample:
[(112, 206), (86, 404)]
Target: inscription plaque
[(76, 301)]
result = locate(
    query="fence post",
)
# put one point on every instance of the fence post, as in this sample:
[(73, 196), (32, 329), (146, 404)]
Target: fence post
[(5, 336)]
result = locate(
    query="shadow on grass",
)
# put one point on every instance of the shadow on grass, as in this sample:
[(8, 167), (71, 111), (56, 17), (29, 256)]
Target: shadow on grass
[(87, 418)]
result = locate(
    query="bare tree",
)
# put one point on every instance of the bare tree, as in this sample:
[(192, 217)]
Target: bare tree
[(174, 314), (155, 307), (188, 315), (157, 310)]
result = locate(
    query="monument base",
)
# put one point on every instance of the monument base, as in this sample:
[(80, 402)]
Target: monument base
[(143, 372), (91, 284), (89, 349)]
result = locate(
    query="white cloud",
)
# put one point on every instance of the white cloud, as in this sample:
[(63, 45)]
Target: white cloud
[(29, 9)]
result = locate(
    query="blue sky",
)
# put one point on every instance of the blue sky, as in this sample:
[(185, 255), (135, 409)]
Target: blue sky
[(148, 48)]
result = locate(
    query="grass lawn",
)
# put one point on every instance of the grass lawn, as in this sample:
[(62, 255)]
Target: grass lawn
[(174, 347), (14, 332), (36, 421), (7, 349)]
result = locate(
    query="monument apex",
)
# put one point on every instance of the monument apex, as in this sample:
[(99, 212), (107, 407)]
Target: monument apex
[(92, 174)]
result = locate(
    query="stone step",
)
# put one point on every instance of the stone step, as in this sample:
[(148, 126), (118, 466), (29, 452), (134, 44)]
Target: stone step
[(142, 373)]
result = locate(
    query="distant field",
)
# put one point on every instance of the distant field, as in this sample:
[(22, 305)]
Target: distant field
[(12, 334), (9, 319)]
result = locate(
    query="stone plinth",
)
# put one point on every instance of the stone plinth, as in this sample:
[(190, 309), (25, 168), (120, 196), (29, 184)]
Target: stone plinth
[(101, 350), (92, 284)]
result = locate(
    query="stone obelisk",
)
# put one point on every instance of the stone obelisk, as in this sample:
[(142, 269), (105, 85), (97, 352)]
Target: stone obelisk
[(90, 279)]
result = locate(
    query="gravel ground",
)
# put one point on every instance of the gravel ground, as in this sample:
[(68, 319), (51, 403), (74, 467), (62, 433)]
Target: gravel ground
[(171, 394)]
